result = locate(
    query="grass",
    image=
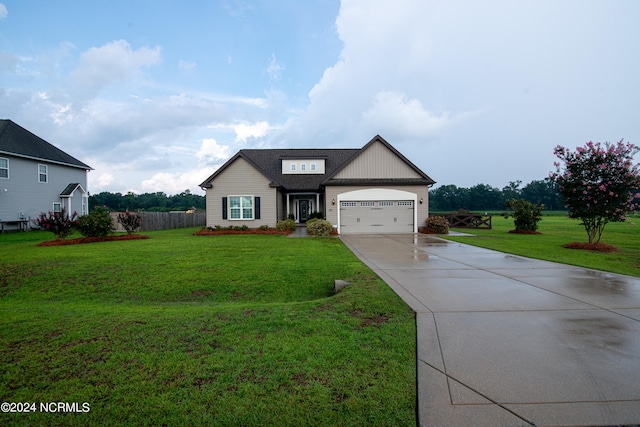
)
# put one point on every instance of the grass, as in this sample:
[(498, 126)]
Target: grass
[(200, 330), (557, 230)]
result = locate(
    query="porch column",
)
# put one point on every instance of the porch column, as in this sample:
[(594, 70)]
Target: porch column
[(287, 206), (317, 202)]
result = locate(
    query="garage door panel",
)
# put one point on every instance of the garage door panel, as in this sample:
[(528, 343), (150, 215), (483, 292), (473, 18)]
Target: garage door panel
[(387, 216)]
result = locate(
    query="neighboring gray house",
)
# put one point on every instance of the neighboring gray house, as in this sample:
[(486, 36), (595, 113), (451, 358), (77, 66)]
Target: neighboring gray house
[(374, 189), (37, 177)]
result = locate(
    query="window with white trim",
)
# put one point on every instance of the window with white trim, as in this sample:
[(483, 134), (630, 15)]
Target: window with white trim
[(43, 173), (303, 167), (293, 167), (4, 167), (57, 207), (313, 167), (240, 207)]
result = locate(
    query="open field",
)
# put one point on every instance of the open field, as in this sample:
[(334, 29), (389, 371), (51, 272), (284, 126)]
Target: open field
[(193, 330), (557, 230)]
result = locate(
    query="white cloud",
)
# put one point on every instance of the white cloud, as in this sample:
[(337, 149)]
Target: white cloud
[(175, 183), (3, 11), (394, 113), (210, 152), (104, 180), (245, 131), (102, 66)]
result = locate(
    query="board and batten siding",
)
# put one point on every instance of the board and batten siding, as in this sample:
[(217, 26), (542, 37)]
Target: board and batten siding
[(377, 161), (421, 192), (241, 179)]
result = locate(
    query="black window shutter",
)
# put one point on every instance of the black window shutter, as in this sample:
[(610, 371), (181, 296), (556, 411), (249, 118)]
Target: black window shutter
[(224, 208), (257, 199)]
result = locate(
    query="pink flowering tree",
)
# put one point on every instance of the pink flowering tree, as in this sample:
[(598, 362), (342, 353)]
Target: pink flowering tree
[(599, 183)]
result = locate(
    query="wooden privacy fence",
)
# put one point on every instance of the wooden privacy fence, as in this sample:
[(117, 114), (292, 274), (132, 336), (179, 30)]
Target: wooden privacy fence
[(165, 220), (469, 220)]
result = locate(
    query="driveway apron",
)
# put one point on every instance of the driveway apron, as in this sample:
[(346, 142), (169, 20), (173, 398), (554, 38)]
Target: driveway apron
[(504, 340)]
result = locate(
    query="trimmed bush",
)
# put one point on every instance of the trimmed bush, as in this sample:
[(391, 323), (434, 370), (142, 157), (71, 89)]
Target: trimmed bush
[(97, 223), (286, 224), (319, 227), (525, 214), (437, 224)]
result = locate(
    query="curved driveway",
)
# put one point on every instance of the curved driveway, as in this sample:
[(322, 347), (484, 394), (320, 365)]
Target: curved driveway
[(505, 340)]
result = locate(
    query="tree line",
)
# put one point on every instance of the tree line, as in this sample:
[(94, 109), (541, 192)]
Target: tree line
[(153, 202), (445, 198), (449, 198)]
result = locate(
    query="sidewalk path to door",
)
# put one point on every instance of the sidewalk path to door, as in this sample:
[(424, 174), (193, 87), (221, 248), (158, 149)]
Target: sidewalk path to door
[(505, 340)]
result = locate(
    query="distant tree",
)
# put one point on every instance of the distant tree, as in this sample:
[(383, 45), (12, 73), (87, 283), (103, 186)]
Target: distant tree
[(543, 192), (598, 183), (483, 196), (512, 191)]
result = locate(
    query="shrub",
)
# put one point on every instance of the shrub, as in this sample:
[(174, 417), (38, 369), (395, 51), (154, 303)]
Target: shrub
[(286, 224), (319, 227), (97, 223), (130, 221), (59, 223), (525, 214), (316, 215), (437, 224), (263, 228)]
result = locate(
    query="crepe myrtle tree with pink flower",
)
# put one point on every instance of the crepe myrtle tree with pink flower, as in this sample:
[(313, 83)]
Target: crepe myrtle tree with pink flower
[(598, 183)]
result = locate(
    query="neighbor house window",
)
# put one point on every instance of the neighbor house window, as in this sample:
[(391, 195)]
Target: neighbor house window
[(42, 173), (303, 167), (313, 167), (57, 207), (240, 207), (293, 167), (4, 167)]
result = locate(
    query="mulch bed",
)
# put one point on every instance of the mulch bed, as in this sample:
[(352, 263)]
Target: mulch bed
[(597, 247), (80, 240), (205, 232), (524, 232)]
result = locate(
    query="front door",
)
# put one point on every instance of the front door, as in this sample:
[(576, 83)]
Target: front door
[(304, 209)]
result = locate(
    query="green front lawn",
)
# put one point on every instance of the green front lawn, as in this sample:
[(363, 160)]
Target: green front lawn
[(556, 230), (202, 330)]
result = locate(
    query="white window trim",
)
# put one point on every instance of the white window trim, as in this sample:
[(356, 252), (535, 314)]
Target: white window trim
[(7, 168), (313, 167), (303, 167), (57, 205), (253, 208), (46, 174)]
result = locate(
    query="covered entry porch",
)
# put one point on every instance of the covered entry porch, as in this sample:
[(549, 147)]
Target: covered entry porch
[(302, 205)]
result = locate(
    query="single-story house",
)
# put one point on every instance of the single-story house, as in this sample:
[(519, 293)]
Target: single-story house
[(374, 189), (36, 177)]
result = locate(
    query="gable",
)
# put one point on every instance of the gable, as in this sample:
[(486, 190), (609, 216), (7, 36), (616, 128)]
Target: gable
[(378, 160)]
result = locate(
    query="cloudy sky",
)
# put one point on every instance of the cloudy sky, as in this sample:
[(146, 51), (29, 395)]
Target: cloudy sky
[(157, 94)]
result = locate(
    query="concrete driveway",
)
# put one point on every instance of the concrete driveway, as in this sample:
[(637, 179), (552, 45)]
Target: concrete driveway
[(510, 341)]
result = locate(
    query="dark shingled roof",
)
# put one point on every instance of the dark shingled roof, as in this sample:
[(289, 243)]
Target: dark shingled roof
[(268, 161), (69, 189), (18, 141)]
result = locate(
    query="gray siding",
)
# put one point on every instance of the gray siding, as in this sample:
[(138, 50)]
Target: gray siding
[(25, 195), (377, 161), (241, 179)]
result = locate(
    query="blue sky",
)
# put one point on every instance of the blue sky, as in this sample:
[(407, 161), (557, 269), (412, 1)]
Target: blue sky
[(155, 95)]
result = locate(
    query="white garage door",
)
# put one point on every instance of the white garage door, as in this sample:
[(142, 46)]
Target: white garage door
[(380, 216)]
